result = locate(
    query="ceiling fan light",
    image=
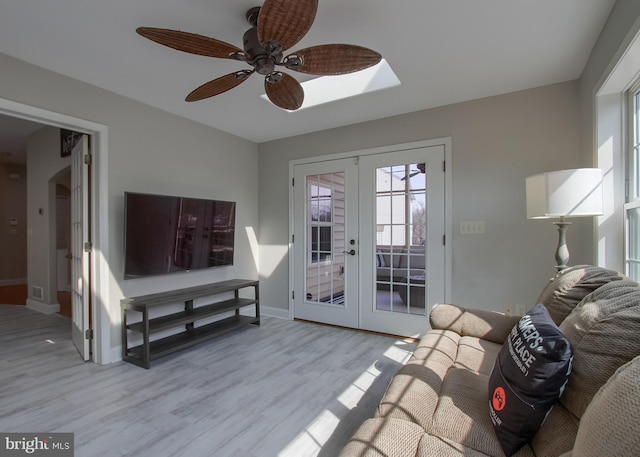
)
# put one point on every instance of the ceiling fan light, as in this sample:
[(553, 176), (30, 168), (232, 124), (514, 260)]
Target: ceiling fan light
[(274, 78), (292, 62)]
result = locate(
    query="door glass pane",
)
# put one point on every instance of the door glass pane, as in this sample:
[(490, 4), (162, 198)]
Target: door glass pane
[(325, 238), (401, 221)]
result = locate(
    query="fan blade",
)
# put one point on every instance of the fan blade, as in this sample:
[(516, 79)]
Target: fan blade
[(190, 42), (285, 21), (218, 85), (332, 59), (286, 93)]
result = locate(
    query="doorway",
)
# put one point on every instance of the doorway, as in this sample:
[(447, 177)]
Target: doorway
[(368, 239), (98, 292)]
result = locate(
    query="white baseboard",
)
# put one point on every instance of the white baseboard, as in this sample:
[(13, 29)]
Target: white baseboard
[(45, 308), (275, 312), (116, 354), (13, 282)]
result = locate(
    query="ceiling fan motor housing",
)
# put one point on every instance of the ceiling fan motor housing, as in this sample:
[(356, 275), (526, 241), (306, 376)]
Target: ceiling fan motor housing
[(263, 58)]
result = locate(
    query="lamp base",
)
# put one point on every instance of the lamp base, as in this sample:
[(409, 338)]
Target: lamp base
[(562, 251)]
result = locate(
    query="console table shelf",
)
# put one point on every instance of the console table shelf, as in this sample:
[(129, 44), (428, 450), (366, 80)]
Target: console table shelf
[(143, 354)]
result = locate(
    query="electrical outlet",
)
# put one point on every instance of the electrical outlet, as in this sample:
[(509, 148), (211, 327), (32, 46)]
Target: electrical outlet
[(508, 310), (521, 310)]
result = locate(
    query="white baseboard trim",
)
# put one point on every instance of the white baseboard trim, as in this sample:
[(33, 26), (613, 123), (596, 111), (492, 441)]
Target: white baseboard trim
[(13, 282), (116, 354), (45, 308), (275, 312)]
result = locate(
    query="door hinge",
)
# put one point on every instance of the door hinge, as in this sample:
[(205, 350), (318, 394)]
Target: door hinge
[(444, 166), (87, 159), (444, 240), (88, 334), (87, 246), (293, 182), (293, 238), (293, 295)]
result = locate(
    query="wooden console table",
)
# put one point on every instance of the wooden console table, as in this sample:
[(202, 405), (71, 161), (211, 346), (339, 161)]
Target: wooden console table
[(143, 354)]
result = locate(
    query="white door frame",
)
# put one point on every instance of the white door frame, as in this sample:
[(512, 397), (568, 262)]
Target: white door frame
[(446, 142), (101, 344)]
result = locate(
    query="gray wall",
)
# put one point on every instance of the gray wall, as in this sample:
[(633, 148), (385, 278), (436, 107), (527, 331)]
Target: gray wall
[(601, 124), (497, 143), (152, 151), (43, 164)]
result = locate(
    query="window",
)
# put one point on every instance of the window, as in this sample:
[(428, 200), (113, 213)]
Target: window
[(632, 206)]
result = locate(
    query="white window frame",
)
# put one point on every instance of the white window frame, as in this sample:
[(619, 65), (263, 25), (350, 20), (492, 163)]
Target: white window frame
[(632, 197)]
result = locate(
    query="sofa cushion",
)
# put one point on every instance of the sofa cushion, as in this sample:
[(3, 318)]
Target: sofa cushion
[(488, 325), (413, 393), (445, 383), (569, 286), (604, 330), (529, 375), (617, 404), (557, 433), (387, 437), (436, 446)]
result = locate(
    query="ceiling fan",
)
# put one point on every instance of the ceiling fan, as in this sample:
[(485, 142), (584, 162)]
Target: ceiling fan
[(275, 27)]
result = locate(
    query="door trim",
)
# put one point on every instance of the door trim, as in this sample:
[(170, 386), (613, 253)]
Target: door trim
[(448, 224), (102, 352)]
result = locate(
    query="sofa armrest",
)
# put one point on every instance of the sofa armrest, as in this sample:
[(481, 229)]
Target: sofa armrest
[(488, 325)]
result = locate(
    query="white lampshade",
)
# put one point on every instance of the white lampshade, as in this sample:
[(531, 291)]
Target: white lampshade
[(565, 193)]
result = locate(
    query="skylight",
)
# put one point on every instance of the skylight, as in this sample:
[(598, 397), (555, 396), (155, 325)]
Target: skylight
[(326, 89)]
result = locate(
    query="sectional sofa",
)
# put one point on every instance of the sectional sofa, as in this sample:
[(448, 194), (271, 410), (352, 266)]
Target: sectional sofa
[(438, 404)]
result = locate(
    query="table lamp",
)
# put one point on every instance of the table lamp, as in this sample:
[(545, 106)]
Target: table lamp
[(563, 194)]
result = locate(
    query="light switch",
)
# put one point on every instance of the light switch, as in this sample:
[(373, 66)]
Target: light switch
[(471, 227)]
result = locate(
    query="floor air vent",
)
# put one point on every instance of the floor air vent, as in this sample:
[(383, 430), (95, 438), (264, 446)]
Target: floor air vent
[(37, 292)]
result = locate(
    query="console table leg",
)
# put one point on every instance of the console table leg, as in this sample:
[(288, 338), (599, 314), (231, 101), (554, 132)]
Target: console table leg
[(146, 350), (257, 297), (125, 345)]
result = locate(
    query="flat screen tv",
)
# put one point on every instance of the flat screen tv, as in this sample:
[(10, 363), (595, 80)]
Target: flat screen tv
[(165, 234)]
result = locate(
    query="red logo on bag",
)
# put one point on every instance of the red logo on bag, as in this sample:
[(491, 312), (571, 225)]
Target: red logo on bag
[(499, 400)]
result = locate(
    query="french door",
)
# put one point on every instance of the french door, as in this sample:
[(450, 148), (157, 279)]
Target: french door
[(368, 247), (79, 256), (326, 242)]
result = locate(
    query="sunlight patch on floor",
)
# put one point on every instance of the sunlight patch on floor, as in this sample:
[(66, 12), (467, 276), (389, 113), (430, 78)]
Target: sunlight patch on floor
[(352, 395), (309, 442), (398, 354)]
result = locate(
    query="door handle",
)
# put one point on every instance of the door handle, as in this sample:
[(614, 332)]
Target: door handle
[(351, 252)]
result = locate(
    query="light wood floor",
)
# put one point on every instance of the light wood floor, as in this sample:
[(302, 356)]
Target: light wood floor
[(285, 389)]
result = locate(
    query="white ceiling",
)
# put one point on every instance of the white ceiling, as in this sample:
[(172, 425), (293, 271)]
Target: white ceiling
[(443, 52)]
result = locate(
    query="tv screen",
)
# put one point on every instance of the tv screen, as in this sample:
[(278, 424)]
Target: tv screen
[(165, 234)]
